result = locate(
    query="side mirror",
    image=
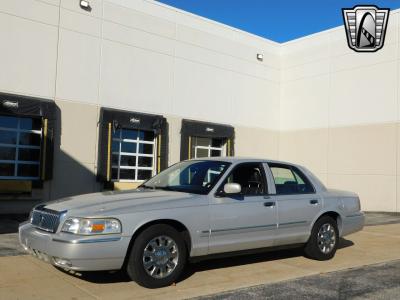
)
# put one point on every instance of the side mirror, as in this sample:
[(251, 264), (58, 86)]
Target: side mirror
[(232, 188)]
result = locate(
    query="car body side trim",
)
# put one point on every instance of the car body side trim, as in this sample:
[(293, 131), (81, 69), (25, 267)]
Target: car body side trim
[(89, 241), (243, 229), (290, 224), (355, 215)]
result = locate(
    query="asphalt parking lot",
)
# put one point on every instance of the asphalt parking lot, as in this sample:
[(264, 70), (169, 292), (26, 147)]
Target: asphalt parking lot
[(367, 266), (380, 281)]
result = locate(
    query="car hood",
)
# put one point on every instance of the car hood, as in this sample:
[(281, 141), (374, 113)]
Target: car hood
[(120, 202)]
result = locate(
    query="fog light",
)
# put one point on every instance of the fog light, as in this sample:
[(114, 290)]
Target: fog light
[(42, 256), (62, 262)]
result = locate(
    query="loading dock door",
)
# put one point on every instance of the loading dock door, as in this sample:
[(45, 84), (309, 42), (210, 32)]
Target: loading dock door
[(132, 147), (203, 139), (26, 142)]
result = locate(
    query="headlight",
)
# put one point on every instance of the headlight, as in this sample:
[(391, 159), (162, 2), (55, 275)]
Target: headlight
[(91, 226)]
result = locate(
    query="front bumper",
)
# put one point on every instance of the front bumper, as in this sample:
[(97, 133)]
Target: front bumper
[(353, 223), (81, 253)]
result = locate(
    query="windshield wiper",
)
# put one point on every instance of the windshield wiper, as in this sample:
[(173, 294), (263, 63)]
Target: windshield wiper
[(164, 188), (147, 187)]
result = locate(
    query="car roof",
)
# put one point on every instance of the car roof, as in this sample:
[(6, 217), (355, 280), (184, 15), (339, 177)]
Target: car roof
[(318, 185), (239, 159)]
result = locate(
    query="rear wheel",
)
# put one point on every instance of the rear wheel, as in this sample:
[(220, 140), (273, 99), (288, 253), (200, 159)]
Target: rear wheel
[(158, 257), (323, 242)]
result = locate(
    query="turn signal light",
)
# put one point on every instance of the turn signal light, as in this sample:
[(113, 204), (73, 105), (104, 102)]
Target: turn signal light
[(98, 227)]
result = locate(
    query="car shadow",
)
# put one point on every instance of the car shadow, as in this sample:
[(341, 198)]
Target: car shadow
[(10, 223), (247, 259), (107, 277), (101, 277)]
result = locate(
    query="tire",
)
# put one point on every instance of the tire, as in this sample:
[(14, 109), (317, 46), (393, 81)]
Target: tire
[(315, 246), (164, 259)]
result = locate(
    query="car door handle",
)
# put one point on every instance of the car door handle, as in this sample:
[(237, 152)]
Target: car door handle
[(269, 204), (314, 202)]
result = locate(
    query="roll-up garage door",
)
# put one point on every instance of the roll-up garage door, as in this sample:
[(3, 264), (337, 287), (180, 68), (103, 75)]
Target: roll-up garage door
[(133, 147), (26, 142), (204, 139)]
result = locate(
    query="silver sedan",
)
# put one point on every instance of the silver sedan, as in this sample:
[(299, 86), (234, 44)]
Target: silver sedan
[(194, 209)]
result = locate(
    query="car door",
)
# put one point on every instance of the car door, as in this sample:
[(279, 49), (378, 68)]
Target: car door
[(246, 220), (297, 203)]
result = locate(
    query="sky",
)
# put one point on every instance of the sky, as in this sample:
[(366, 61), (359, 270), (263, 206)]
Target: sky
[(277, 20)]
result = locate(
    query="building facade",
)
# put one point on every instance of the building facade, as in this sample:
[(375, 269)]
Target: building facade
[(107, 96)]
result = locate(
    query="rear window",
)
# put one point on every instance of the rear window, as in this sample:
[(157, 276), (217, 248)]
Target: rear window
[(290, 180)]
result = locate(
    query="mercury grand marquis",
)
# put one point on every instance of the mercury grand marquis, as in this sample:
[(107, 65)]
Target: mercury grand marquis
[(195, 208)]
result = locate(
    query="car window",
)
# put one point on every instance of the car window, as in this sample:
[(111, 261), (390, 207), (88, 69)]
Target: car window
[(251, 178), (290, 180), (195, 176)]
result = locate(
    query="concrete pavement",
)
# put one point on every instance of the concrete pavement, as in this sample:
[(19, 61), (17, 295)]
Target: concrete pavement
[(9, 245), (379, 218), (24, 277)]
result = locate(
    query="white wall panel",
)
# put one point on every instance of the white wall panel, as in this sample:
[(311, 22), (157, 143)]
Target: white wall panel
[(135, 79), (304, 103), (78, 67), (355, 60), (364, 95), (138, 20), (205, 25), (27, 56), (150, 8), (214, 42), (338, 42), (255, 102), (52, 2), (31, 9), (398, 89), (80, 22), (307, 70), (212, 58), (202, 92), (305, 50), (137, 38)]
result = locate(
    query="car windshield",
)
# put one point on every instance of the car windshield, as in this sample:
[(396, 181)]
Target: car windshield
[(196, 176)]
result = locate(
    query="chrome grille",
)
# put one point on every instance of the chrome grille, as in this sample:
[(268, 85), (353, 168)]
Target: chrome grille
[(45, 219)]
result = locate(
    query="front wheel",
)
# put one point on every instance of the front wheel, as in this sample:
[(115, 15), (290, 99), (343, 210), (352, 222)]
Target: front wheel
[(323, 242), (158, 257)]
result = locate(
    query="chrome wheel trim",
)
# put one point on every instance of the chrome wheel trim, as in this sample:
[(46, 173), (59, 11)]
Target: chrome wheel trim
[(160, 257), (326, 238)]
